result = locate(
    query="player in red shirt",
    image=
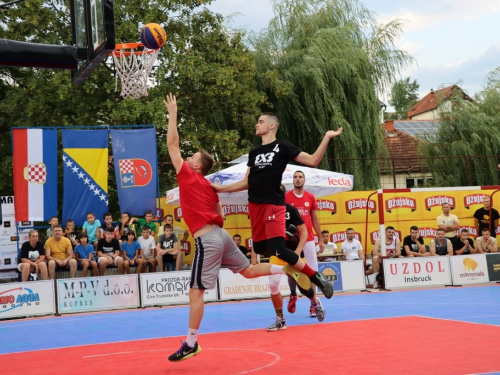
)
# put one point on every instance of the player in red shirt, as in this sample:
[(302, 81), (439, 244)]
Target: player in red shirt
[(266, 164), (204, 217)]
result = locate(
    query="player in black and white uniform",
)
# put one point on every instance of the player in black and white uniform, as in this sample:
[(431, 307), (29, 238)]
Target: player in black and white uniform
[(266, 164)]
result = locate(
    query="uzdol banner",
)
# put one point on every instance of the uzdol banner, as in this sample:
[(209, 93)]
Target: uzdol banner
[(469, 269), (97, 293), (417, 272), (169, 288), (27, 299)]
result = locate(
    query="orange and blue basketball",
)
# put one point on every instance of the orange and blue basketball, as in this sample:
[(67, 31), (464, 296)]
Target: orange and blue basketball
[(153, 36)]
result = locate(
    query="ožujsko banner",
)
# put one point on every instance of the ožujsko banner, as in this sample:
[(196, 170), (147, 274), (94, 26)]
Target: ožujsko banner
[(169, 288), (27, 299), (97, 293)]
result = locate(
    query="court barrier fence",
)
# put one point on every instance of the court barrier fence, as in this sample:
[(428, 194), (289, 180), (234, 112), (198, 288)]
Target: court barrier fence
[(65, 296)]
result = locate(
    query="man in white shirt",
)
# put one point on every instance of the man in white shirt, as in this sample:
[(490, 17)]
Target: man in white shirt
[(148, 248), (325, 237), (448, 222), (351, 247), (486, 243)]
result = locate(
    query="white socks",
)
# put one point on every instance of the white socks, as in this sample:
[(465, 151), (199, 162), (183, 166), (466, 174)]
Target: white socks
[(277, 270), (192, 337)]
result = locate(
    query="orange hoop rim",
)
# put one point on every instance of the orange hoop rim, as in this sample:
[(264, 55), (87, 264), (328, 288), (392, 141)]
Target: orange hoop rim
[(124, 46)]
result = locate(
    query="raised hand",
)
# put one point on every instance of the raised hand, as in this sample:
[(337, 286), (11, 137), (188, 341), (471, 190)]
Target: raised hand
[(171, 104), (334, 133)]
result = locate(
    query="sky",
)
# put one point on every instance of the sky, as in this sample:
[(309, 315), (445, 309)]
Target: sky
[(452, 41)]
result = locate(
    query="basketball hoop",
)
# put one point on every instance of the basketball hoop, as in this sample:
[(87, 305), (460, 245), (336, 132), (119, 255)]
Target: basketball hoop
[(133, 68)]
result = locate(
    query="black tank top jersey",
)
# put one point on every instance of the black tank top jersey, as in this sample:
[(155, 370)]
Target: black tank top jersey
[(441, 250)]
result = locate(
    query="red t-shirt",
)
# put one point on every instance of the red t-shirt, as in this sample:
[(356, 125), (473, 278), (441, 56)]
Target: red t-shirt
[(304, 205), (198, 199)]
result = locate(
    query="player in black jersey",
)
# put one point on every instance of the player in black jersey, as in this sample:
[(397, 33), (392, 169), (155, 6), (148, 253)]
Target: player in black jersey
[(266, 164)]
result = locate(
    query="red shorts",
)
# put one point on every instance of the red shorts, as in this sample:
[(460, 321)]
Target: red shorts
[(267, 221)]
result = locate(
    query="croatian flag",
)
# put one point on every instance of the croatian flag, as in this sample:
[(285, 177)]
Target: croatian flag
[(35, 174)]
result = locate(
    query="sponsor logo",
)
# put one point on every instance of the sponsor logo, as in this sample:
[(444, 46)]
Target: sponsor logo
[(14, 298), (472, 231), (400, 202), (178, 214), (168, 287), (235, 209), (82, 293), (341, 237), (36, 173), (186, 247), (324, 205), (7, 200), (427, 232), (376, 235), (469, 200), (439, 200), (249, 243), (339, 182), (135, 172), (470, 266), (330, 274), (170, 196), (360, 204), (416, 270)]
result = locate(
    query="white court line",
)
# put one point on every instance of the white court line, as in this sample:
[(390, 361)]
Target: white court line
[(459, 321)]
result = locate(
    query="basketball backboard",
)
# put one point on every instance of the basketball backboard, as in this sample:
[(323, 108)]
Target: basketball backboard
[(93, 28)]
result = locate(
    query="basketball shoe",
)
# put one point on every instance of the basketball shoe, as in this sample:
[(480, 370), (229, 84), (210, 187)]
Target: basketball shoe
[(323, 284), (319, 311), (292, 303), (185, 352), (278, 325)]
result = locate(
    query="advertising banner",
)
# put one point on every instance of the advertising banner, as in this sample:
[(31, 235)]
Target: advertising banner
[(417, 272), (333, 273), (169, 288), (353, 275), (97, 293), (234, 286), (27, 299), (469, 269), (493, 261), (8, 239)]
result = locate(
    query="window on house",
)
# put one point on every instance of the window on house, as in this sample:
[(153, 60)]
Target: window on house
[(418, 182)]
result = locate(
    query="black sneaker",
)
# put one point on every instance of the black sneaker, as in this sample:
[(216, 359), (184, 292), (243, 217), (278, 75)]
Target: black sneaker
[(323, 284), (185, 352)]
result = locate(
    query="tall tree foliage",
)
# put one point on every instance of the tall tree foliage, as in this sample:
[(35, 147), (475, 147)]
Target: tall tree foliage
[(404, 94), (466, 147), (207, 67), (321, 64)]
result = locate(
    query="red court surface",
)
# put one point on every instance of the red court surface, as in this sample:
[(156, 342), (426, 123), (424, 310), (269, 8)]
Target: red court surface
[(409, 345)]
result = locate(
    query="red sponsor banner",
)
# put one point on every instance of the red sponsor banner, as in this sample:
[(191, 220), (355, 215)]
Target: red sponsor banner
[(471, 199), (376, 235), (472, 230), (427, 232), (324, 205), (239, 209), (178, 214), (186, 247), (249, 243), (360, 204), (341, 236), (339, 182), (439, 200), (159, 214), (400, 202)]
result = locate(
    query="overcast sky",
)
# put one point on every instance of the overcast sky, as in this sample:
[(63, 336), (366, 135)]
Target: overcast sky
[(451, 40)]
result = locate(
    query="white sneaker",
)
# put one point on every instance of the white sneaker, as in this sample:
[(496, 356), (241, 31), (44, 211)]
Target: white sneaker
[(376, 284)]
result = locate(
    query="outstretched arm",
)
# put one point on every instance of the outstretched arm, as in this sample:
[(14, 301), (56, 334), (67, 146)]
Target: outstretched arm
[(314, 159), (172, 134)]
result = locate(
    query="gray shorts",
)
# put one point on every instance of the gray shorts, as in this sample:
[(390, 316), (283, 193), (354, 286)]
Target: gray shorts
[(213, 250)]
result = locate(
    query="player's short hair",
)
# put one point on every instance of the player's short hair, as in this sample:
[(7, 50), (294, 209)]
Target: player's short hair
[(349, 229), (148, 212), (110, 229), (485, 229), (58, 226), (31, 232), (272, 116), (389, 227), (168, 226), (53, 217), (90, 213), (168, 215), (303, 174), (440, 230), (83, 235), (465, 230), (207, 161), (69, 221), (145, 227), (414, 227), (325, 231), (236, 235), (125, 213), (106, 214)]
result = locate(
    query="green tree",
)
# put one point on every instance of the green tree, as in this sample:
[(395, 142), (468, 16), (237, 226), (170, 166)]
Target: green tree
[(466, 147), (404, 94), (321, 64), (208, 67)]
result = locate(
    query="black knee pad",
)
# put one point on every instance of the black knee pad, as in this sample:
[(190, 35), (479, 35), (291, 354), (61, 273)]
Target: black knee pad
[(308, 293), (277, 244), (262, 248)]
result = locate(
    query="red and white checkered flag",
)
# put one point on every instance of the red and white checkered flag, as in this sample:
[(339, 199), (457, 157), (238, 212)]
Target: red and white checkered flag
[(126, 166), (36, 173)]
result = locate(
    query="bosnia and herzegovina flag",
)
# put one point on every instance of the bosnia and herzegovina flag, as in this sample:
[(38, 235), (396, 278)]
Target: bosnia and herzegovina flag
[(35, 174), (85, 160)]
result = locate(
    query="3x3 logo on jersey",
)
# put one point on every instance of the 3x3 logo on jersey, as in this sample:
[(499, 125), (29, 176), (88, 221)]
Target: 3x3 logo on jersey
[(263, 160)]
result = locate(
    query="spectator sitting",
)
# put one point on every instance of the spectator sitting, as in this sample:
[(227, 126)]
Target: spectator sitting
[(166, 248), (147, 221), (486, 243), (148, 246), (413, 244), (448, 222), (125, 226), (441, 245), (463, 244), (325, 239), (84, 253), (393, 250), (32, 258), (237, 242), (91, 227), (108, 252), (70, 232), (182, 236), (108, 222), (59, 253), (351, 247), (53, 222), (131, 251)]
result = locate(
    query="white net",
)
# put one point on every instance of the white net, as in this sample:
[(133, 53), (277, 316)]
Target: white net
[(133, 71)]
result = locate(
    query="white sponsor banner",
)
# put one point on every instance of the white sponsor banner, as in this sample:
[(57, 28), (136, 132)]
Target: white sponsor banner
[(8, 239), (27, 299), (169, 288), (469, 269), (353, 275), (417, 272), (9, 275), (234, 286), (97, 293)]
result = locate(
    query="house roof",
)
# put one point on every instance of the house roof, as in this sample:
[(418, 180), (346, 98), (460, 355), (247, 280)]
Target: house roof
[(433, 99), (402, 148)]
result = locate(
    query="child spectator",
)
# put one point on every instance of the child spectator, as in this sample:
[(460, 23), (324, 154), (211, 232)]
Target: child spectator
[(148, 247), (108, 252), (125, 225), (84, 254), (91, 227), (53, 222), (131, 250), (147, 221), (166, 248), (70, 233), (108, 222)]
